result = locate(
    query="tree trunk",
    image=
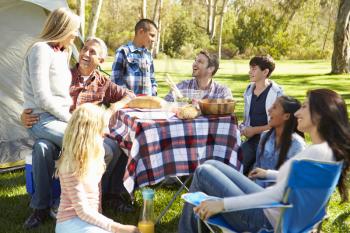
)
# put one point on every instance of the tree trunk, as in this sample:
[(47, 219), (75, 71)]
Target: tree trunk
[(95, 14), (159, 23), (340, 57), (213, 22), (223, 11), (144, 9), (210, 16), (81, 4), (155, 11)]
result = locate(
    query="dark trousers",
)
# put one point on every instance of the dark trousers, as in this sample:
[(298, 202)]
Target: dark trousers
[(43, 165), (249, 148)]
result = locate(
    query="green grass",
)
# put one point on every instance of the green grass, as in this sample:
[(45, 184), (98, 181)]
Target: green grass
[(296, 77)]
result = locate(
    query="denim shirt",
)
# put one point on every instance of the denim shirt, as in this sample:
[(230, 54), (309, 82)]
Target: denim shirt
[(269, 158)]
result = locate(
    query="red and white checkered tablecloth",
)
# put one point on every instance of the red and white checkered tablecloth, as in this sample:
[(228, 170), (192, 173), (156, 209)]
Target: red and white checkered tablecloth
[(160, 148)]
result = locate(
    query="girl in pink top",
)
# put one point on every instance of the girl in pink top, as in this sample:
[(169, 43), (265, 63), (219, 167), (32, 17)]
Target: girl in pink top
[(80, 169)]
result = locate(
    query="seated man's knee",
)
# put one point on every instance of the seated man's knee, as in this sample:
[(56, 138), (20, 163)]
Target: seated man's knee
[(45, 149)]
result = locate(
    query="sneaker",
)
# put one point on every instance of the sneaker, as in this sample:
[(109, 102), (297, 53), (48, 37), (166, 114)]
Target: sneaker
[(36, 218)]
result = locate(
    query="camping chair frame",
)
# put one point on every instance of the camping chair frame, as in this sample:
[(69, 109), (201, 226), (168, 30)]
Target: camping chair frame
[(300, 184)]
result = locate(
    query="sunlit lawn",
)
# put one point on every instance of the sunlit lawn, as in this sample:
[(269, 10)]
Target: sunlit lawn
[(296, 77)]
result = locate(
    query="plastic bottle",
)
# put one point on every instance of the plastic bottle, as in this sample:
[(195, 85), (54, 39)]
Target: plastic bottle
[(146, 221)]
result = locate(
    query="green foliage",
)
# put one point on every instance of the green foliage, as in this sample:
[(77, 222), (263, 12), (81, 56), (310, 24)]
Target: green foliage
[(183, 38)]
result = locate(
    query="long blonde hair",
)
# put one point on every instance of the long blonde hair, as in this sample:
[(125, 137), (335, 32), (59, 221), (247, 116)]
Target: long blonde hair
[(60, 23), (82, 146)]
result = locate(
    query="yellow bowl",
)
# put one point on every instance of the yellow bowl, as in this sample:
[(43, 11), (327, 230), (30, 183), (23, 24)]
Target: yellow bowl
[(217, 106)]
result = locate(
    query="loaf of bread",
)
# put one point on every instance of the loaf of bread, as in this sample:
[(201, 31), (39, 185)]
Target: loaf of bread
[(187, 112), (149, 102)]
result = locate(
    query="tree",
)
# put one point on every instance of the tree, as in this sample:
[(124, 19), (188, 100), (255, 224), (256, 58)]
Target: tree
[(144, 9), (340, 57), (223, 11), (95, 14), (81, 4), (157, 16)]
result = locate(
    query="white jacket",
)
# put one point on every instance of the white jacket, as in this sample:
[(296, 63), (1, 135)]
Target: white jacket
[(274, 92)]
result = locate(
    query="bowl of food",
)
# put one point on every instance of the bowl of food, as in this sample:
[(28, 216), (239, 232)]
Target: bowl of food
[(188, 96), (217, 106)]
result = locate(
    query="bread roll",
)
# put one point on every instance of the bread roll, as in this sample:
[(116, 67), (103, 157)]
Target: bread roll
[(187, 112), (149, 102)]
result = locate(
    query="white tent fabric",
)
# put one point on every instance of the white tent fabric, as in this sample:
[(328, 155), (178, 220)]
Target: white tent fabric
[(21, 21)]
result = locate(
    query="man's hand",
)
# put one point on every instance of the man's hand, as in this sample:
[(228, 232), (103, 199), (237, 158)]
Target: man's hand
[(258, 173), (28, 119), (206, 209)]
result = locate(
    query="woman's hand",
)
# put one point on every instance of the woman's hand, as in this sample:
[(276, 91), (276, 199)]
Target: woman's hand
[(206, 209), (125, 228), (258, 173)]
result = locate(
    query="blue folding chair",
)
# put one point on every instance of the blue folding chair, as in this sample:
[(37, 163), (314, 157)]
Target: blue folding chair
[(309, 187)]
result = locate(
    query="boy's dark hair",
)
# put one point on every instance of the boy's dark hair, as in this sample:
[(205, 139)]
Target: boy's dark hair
[(264, 62), (145, 25), (213, 60)]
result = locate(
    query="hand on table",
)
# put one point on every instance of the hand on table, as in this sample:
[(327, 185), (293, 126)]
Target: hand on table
[(206, 209), (257, 173), (28, 119)]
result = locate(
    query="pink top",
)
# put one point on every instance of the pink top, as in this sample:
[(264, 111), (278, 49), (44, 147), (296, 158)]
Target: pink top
[(81, 198)]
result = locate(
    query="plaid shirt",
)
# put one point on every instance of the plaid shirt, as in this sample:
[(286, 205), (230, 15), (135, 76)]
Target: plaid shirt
[(133, 68), (97, 89), (215, 91)]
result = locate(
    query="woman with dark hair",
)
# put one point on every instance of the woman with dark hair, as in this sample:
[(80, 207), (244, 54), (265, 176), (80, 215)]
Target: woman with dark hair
[(282, 141), (324, 117)]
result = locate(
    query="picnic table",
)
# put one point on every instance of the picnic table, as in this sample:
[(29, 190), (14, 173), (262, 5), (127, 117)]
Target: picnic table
[(159, 144)]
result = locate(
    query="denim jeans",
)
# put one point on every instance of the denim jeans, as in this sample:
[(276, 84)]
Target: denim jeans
[(50, 128), (218, 179), (76, 225)]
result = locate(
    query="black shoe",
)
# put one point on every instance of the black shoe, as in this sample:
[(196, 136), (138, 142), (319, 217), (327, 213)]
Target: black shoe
[(36, 218), (118, 202)]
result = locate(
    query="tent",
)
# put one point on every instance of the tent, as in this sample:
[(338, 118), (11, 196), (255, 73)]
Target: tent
[(21, 21)]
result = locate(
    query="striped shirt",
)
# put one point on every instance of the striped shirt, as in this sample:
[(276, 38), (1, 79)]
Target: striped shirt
[(82, 199), (96, 89), (133, 68), (215, 90)]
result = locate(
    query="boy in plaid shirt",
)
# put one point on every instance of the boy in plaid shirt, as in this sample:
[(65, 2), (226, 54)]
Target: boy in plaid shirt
[(133, 65)]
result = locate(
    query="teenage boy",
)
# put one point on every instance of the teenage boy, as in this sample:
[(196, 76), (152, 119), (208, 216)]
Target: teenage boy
[(133, 65), (259, 96)]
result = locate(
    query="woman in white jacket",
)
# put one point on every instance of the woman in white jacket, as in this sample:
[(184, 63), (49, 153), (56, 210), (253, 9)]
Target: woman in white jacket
[(324, 116), (47, 77)]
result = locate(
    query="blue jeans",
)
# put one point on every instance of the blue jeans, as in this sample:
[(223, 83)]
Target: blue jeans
[(50, 128), (218, 179), (76, 225)]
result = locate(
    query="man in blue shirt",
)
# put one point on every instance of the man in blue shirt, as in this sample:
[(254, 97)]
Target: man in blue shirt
[(133, 65)]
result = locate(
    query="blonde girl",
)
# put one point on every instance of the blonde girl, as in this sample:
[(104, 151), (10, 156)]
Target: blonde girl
[(80, 169), (46, 75)]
